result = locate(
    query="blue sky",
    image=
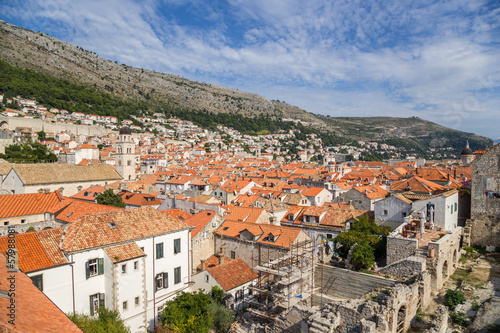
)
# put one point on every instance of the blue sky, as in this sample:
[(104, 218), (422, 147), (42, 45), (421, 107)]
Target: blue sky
[(438, 60)]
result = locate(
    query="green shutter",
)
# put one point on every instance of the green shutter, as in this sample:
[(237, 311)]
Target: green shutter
[(165, 280), (177, 245), (87, 270), (91, 305), (159, 250), (100, 268), (101, 300)]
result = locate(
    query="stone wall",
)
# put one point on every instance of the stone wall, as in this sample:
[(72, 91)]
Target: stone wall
[(484, 226), (20, 228), (37, 125), (443, 257), (399, 248), (404, 268)]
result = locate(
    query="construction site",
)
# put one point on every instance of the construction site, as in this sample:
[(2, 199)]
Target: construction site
[(283, 282)]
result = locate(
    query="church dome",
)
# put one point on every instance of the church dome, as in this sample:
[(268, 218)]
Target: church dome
[(351, 164), (125, 130), (467, 150)]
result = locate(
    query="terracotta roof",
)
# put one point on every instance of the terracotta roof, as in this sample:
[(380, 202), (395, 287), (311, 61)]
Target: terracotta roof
[(417, 185), (33, 254), (232, 274), (35, 174), (288, 235), (212, 261), (105, 228), (247, 214), (124, 252), (71, 209), (177, 213), (35, 312), (372, 192), (200, 220), (90, 193), (139, 199), (27, 204)]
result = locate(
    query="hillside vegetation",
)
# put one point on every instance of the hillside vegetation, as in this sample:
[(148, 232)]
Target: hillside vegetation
[(78, 80)]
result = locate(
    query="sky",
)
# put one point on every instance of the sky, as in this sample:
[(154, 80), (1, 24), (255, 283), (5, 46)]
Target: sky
[(437, 60)]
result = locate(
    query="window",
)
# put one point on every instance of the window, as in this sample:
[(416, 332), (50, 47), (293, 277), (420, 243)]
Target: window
[(456, 206), (159, 251), (329, 236), (385, 211), (142, 249), (177, 275), (94, 267), (177, 245), (37, 281), (124, 268), (161, 281), (23, 221), (124, 305), (136, 265), (205, 234), (233, 255), (6, 223), (136, 301), (207, 278), (403, 214), (96, 301)]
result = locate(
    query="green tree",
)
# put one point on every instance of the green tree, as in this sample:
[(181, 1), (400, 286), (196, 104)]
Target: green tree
[(108, 197), (188, 312), (217, 294), (362, 257), (107, 321), (222, 317), (41, 136)]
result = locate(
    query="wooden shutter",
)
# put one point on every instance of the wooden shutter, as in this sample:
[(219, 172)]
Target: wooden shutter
[(100, 266), (87, 270)]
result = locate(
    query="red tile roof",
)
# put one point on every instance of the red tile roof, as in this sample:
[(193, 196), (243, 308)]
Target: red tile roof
[(36, 249), (232, 274), (71, 209), (200, 220), (105, 228), (27, 204), (35, 313), (177, 213), (124, 252)]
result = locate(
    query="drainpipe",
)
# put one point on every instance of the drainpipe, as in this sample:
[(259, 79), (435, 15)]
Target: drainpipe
[(154, 283), (73, 283)]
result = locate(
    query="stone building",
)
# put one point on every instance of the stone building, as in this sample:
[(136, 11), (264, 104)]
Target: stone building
[(483, 228), (125, 154)]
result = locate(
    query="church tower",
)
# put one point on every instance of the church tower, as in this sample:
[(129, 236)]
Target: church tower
[(125, 154), (467, 156)]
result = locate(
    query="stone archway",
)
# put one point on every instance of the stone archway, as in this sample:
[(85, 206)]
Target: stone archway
[(445, 270), (400, 327), (4, 125)]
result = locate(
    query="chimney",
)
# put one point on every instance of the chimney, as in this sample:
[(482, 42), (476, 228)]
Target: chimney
[(202, 264), (221, 255)]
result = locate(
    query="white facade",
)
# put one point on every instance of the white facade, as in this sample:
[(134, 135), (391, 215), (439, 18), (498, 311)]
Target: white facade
[(129, 286), (445, 210), (392, 209)]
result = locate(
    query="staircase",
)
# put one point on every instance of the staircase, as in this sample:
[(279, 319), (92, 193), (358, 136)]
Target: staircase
[(321, 325)]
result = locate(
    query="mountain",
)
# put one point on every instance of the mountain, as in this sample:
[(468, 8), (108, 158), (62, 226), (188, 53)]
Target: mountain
[(44, 54)]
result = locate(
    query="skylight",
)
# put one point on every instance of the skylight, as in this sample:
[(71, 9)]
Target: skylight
[(112, 225)]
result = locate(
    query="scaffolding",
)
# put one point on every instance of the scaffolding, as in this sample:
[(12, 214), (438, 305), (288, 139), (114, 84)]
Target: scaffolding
[(285, 278)]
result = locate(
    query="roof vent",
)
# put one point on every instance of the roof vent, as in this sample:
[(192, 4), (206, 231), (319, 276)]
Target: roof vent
[(112, 225)]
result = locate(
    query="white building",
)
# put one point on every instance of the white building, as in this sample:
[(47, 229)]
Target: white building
[(132, 261)]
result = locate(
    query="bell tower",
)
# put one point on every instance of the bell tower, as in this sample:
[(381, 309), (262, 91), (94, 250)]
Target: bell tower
[(125, 154)]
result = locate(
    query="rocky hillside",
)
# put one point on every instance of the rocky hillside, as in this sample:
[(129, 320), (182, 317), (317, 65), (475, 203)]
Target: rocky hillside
[(42, 53), (46, 54)]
